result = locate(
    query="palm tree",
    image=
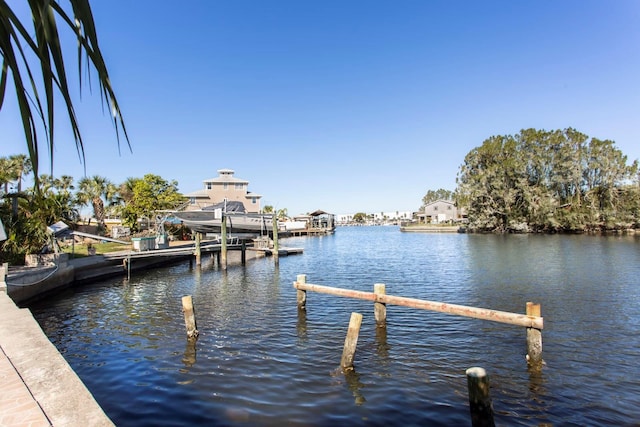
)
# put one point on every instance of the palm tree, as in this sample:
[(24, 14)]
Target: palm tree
[(13, 169), (24, 52), (96, 191)]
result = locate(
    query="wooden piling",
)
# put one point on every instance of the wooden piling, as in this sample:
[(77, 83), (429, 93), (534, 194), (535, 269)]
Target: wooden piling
[(4, 272), (460, 310), (301, 294), (197, 248), (479, 398), (243, 256), (276, 254), (534, 337), (380, 308), (189, 316), (351, 341), (223, 249)]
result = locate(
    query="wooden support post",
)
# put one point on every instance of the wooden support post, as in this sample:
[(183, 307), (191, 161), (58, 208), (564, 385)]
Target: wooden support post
[(380, 308), (534, 337), (189, 316), (243, 256), (350, 343), (301, 294), (218, 257), (4, 272), (479, 398), (276, 254), (223, 250), (198, 252), (129, 266)]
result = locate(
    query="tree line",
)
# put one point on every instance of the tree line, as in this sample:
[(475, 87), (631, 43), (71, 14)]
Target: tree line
[(26, 213), (548, 181)]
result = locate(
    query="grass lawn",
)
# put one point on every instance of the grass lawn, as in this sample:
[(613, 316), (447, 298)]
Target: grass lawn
[(81, 249)]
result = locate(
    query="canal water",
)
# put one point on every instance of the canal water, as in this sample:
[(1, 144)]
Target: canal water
[(258, 361)]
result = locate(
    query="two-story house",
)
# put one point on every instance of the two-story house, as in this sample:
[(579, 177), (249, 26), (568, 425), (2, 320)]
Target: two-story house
[(441, 211), (224, 187)]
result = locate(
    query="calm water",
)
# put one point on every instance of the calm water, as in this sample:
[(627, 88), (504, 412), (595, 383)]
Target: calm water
[(258, 362)]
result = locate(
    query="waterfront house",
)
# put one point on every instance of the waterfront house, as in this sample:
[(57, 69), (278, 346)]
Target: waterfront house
[(225, 187), (441, 211)]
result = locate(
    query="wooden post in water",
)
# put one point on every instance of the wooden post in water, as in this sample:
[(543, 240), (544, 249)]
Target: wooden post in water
[(243, 256), (380, 308), (276, 257), (189, 316), (534, 337), (198, 253), (223, 250), (479, 398), (350, 343), (301, 294)]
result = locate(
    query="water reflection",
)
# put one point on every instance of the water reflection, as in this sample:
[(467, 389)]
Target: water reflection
[(301, 324), (260, 357), (382, 347), (353, 381), (189, 357)]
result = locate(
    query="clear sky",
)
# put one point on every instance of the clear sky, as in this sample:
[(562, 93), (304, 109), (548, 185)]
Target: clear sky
[(344, 106)]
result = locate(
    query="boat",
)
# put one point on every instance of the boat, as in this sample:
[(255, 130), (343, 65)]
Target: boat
[(209, 219)]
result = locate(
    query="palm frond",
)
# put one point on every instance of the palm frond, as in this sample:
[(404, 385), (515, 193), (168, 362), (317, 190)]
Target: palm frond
[(45, 45)]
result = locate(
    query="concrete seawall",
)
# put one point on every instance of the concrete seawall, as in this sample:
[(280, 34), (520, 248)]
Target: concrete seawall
[(39, 388)]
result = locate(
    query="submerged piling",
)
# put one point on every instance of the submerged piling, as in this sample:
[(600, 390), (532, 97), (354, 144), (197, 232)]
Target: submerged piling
[(351, 341), (301, 295), (479, 398), (380, 308), (534, 337), (189, 316)]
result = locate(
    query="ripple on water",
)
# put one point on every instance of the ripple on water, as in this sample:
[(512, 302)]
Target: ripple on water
[(258, 361)]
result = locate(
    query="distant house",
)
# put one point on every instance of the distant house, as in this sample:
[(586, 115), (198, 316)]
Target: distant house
[(225, 187), (441, 211)]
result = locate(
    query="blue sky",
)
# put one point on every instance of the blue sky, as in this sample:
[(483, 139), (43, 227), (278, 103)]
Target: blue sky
[(345, 106)]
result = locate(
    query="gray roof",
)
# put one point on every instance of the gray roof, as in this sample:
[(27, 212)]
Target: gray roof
[(226, 175), (199, 193)]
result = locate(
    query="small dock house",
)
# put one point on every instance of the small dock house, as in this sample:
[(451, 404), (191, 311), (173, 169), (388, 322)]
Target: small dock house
[(317, 223)]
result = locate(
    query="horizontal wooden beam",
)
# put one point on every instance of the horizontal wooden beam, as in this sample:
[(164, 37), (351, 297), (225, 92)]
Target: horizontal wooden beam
[(460, 310)]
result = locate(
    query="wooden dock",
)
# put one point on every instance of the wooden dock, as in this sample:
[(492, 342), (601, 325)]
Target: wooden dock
[(312, 232), (281, 251)]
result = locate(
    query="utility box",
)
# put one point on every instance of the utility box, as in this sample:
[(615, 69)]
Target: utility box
[(143, 243), (162, 241)]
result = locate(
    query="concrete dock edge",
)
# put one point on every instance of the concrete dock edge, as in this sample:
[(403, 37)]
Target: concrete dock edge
[(28, 356)]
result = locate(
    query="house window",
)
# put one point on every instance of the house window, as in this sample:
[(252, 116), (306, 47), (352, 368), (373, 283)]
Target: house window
[(254, 200), (208, 186), (192, 200), (239, 186), (225, 186), (449, 207), (435, 208)]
